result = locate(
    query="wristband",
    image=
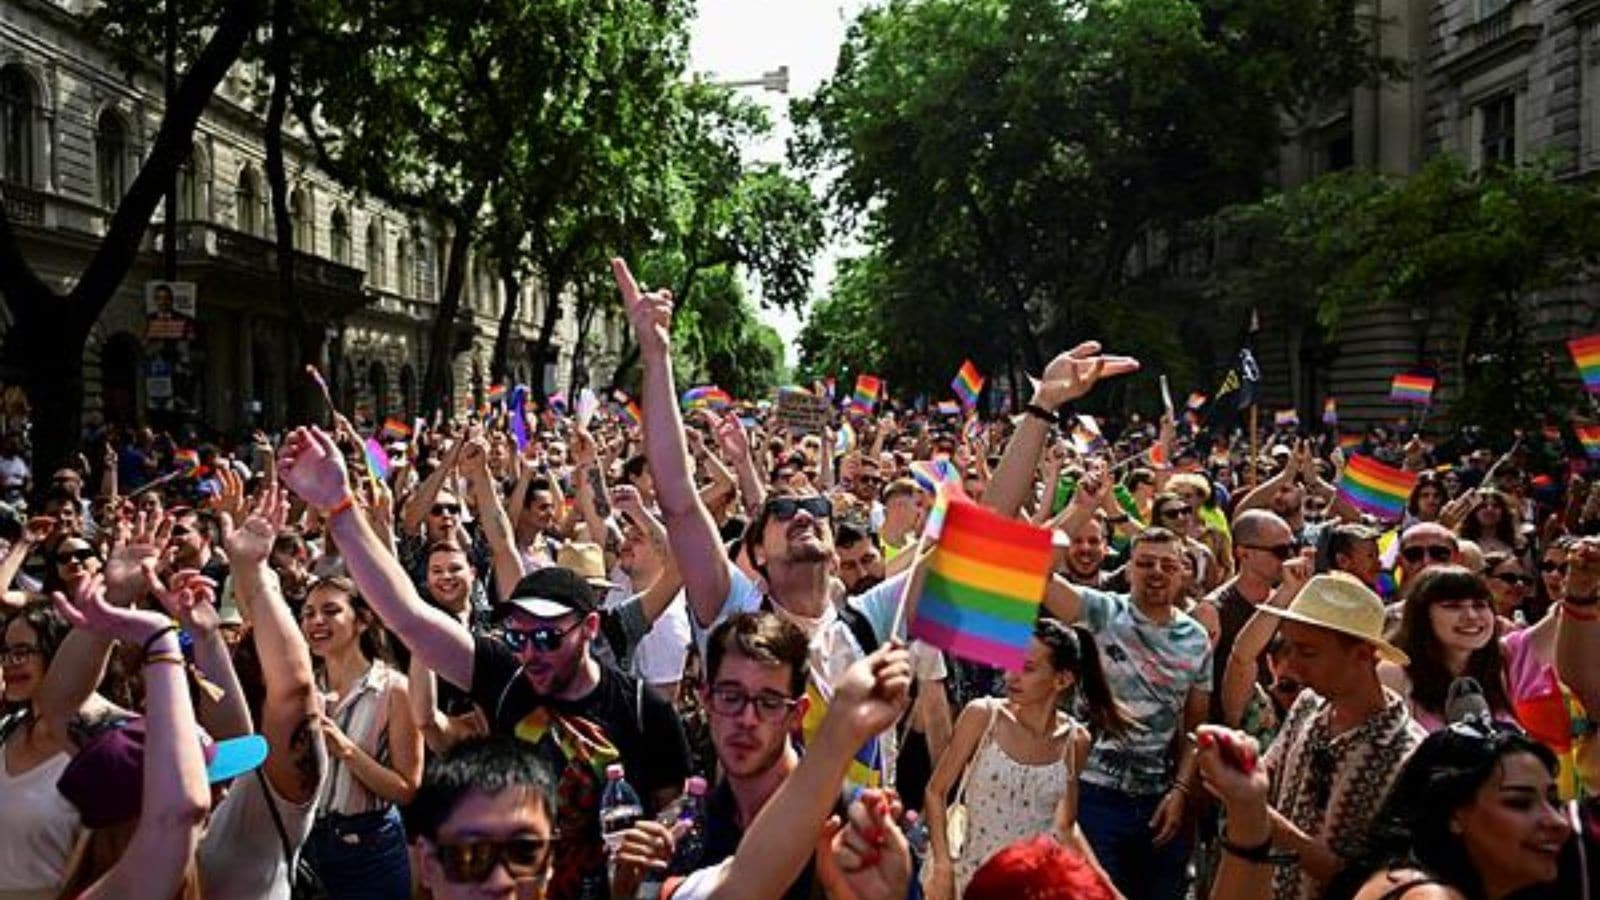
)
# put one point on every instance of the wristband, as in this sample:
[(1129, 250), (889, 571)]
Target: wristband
[(144, 649), (173, 658), (1260, 853), (344, 505), (1042, 414)]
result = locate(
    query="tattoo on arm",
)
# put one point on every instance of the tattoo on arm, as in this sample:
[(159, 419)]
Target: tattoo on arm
[(602, 503)]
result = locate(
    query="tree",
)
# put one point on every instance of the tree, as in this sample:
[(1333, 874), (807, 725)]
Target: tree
[(45, 343)]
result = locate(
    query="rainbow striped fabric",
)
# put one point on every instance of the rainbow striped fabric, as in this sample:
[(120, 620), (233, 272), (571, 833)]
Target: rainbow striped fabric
[(947, 408), (496, 394), (377, 459), (1586, 353), (1411, 388), (1286, 418), (1589, 436), (984, 583), (1330, 411), (1373, 487), (1351, 441), (968, 384), (187, 461), (397, 428), (707, 397), (868, 389)]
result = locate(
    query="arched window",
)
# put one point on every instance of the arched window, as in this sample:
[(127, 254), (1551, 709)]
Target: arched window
[(249, 205), (194, 187), (339, 237), (375, 257), (111, 157), (17, 114), (402, 266), (300, 221)]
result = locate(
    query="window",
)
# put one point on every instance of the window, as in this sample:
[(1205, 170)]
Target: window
[(402, 264), (300, 224), (374, 254), (247, 204), (16, 126), (192, 188), (1497, 135), (1341, 153), (111, 158), (339, 237)]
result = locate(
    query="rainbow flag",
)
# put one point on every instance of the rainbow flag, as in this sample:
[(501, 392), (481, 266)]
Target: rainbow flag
[(1086, 437), (1411, 388), (706, 397), (947, 408), (1589, 436), (496, 394), (1586, 353), (377, 458), (1351, 441), (187, 461), (867, 391), (1376, 488), (1286, 418), (397, 428), (933, 474), (968, 383), (985, 581), (1330, 411), (633, 414)]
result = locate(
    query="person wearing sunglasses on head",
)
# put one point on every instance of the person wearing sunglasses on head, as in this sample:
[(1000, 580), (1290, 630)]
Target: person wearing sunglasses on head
[(484, 820)]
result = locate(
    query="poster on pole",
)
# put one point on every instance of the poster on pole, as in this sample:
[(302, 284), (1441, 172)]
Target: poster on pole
[(169, 310)]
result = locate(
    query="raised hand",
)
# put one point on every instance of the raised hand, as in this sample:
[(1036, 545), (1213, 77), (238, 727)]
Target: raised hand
[(1583, 568), (649, 313), (232, 500), (191, 599), (126, 581), (474, 459), (873, 692), (251, 542), (647, 846), (89, 608), (1075, 372), (866, 857), (312, 466)]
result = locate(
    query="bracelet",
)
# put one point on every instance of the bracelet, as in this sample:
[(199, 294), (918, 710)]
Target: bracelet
[(1580, 612), (342, 506), (173, 658), (1181, 788), (144, 651), (1260, 853), (1042, 414)]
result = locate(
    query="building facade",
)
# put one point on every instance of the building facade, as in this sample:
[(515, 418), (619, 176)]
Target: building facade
[(75, 127)]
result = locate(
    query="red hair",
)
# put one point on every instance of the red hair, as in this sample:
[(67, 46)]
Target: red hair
[(1037, 868)]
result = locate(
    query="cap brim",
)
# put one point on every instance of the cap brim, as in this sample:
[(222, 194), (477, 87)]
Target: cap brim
[(236, 756), (544, 609), (1385, 649)]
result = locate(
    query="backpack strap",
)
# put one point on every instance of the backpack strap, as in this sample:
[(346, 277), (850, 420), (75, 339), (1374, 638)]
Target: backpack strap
[(860, 628)]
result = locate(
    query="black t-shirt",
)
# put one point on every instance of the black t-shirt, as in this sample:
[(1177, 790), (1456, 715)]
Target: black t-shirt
[(639, 723), (1233, 612), (723, 835)]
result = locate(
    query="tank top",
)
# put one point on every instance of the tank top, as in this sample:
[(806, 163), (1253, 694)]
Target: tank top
[(38, 828)]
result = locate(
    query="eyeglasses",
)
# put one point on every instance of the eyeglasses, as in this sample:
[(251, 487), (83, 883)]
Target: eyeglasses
[(17, 654), (80, 555), (785, 508), (1436, 552), (1515, 579), (472, 862), (730, 702), (543, 639), (1281, 551), (446, 509)]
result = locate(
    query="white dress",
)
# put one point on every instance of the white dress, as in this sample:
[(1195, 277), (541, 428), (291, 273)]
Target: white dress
[(1008, 801)]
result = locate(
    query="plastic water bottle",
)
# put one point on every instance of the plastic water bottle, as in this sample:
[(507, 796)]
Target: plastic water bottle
[(916, 835), (686, 816), (619, 808)]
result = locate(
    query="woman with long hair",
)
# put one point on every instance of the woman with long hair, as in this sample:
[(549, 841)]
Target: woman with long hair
[(1473, 815), (1447, 628), (1018, 757), (1493, 524), (357, 845), (1428, 496), (70, 562), (1509, 585)]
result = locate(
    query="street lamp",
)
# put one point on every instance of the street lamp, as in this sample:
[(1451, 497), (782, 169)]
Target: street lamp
[(776, 80)]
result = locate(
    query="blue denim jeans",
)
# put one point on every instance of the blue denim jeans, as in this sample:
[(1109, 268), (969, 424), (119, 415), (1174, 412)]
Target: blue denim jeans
[(361, 857), (1117, 826)]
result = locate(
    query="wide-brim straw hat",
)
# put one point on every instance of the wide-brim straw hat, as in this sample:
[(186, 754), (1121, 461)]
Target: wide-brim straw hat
[(1340, 603)]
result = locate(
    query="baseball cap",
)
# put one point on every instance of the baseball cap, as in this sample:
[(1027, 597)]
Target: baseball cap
[(104, 780), (552, 592)]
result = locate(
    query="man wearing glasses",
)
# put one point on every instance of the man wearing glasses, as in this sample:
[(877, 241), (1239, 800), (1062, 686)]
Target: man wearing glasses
[(1422, 545)]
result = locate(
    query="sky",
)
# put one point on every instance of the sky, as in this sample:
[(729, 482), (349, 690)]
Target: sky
[(735, 40)]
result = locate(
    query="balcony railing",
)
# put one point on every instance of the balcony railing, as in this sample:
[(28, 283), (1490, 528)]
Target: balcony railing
[(24, 206), (209, 241)]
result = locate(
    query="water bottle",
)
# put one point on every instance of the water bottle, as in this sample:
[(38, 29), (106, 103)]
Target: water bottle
[(619, 808), (686, 816), (916, 835)]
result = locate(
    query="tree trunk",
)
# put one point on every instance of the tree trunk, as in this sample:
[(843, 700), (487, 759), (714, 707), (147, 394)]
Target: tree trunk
[(500, 361), (441, 337), (555, 275), (46, 341)]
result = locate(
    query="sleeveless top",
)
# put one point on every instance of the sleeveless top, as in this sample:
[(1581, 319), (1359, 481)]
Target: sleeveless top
[(1007, 800), (38, 828), (363, 715)]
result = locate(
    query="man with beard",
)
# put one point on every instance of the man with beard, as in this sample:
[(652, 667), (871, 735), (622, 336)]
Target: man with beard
[(1086, 553), (860, 563), (194, 540), (537, 681)]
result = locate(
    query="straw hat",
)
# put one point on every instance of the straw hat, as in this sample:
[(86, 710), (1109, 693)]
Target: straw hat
[(1341, 603), (586, 558)]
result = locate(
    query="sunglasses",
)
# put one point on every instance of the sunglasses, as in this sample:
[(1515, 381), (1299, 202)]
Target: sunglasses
[(81, 555), (473, 861), (1550, 565), (785, 508), (1177, 512), (543, 639), (17, 654), (446, 509), (1281, 551), (179, 531), (1436, 552), (730, 702), (1515, 579)]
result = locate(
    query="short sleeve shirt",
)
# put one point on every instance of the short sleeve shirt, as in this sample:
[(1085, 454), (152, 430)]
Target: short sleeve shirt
[(1151, 668)]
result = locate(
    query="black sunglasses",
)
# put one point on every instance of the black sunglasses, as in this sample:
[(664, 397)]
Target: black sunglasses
[(1515, 579), (82, 555), (1177, 512), (785, 508), (1281, 551), (544, 639), (472, 862), (1435, 552), (1550, 565), (446, 509)]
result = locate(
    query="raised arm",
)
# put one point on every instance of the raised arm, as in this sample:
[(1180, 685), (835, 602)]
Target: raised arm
[(735, 444), (491, 516), (1578, 634), (296, 758), (693, 535), (418, 504), (313, 468), (1239, 678), (192, 601)]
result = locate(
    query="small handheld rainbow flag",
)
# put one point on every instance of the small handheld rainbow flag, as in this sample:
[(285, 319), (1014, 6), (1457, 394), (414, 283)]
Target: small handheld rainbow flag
[(1589, 437), (1586, 353), (1411, 388), (947, 408), (496, 394), (985, 580), (377, 458), (1286, 418), (1330, 412), (933, 474), (706, 397), (397, 428), (968, 384), (632, 413), (867, 390), (1086, 436), (187, 461), (1351, 441), (1376, 488)]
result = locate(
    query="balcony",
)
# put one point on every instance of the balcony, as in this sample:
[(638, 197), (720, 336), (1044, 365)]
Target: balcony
[(23, 206), (211, 252), (1504, 33)]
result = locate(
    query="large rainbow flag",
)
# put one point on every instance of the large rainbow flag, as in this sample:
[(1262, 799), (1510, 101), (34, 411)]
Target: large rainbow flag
[(1586, 353), (1371, 486), (967, 384), (984, 583), (1589, 436)]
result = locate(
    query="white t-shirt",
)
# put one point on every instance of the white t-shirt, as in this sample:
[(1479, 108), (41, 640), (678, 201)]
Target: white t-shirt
[(13, 471), (241, 855), (37, 830), (659, 656)]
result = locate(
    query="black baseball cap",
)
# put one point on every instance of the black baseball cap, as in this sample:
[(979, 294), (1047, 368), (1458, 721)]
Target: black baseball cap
[(551, 593)]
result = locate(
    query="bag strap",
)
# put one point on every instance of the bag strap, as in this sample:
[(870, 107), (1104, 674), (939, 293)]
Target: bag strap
[(966, 773), (277, 823)]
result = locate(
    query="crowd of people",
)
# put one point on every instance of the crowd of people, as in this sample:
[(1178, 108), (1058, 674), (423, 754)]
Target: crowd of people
[(283, 668)]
